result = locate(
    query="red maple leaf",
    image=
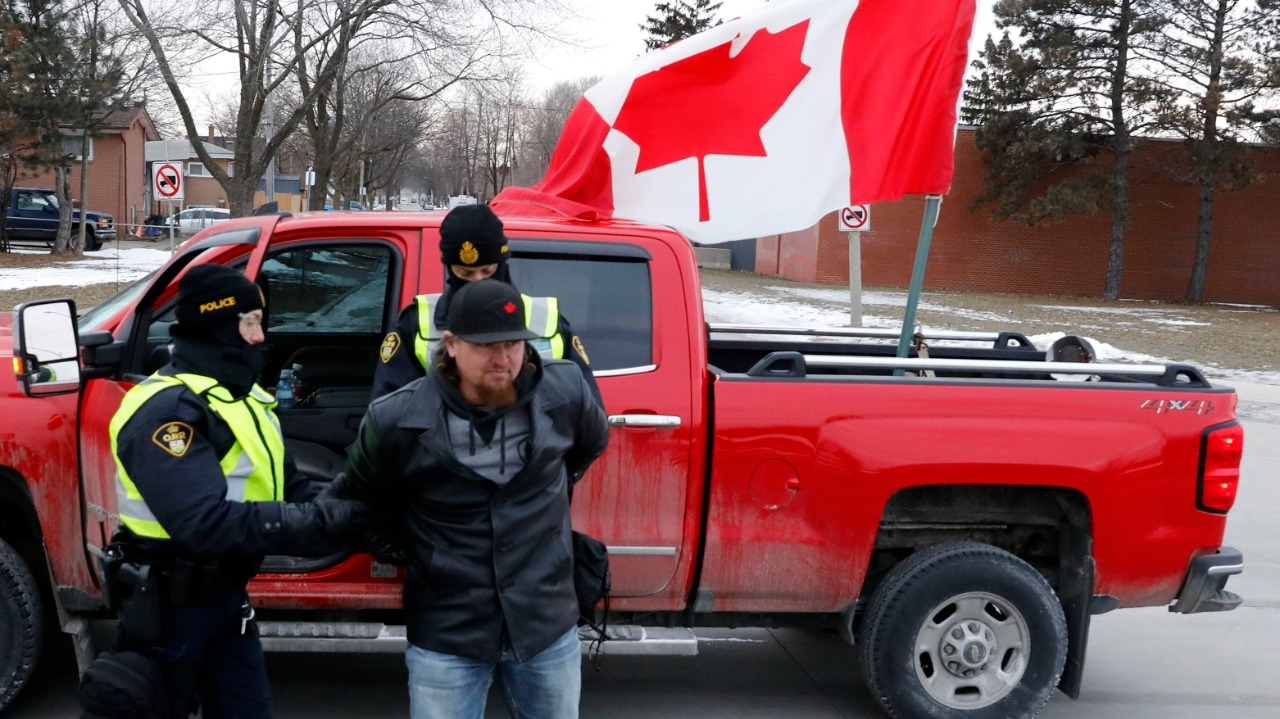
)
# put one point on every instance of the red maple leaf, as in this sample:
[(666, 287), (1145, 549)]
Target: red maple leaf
[(713, 104), (509, 308)]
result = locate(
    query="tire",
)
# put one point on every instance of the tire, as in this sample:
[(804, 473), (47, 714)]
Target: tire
[(963, 630), (91, 241), (23, 623)]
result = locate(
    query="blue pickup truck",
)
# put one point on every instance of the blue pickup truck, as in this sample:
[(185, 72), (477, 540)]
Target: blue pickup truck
[(33, 217)]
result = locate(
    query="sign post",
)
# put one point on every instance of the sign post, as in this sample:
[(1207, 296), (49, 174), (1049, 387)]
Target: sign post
[(855, 220), (166, 181)]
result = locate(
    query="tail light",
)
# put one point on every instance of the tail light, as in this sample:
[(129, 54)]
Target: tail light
[(1220, 450)]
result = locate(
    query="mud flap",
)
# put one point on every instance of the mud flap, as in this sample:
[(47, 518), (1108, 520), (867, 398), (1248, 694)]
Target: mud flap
[(1076, 592)]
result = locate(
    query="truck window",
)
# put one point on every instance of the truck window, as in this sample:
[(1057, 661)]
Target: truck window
[(327, 289), (34, 201), (608, 301)]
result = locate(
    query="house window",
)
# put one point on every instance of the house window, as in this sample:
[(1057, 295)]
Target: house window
[(197, 169), (71, 144)]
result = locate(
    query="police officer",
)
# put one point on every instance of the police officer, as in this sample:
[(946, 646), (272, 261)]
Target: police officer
[(206, 488), (472, 247)]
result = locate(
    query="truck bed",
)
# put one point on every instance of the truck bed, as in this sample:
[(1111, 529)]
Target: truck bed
[(871, 352)]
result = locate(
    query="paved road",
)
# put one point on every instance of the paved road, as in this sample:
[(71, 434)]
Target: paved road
[(1142, 664)]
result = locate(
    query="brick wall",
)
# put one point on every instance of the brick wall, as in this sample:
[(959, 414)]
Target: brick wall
[(106, 178), (117, 176), (971, 251)]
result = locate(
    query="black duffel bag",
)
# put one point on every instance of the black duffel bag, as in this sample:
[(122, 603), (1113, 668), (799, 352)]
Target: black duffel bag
[(590, 577), (125, 685)]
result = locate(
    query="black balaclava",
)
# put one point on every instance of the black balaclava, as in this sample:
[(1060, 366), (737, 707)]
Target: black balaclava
[(211, 300)]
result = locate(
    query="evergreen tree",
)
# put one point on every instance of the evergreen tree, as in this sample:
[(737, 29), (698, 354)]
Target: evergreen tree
[(37, 60), (677, 20), (1062, 95), (1216, 57)]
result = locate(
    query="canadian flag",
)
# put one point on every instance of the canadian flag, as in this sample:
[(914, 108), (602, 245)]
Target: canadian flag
[(766, 123)]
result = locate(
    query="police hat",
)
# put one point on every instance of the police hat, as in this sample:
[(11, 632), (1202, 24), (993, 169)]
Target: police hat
[(471, 235), (488, 311)]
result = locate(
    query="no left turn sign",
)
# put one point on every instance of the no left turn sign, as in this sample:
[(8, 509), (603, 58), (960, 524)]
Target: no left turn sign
[(167, 181), (855, 218)]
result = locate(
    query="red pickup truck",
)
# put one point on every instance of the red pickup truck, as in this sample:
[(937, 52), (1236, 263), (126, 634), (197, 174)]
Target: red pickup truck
[(959, 515)]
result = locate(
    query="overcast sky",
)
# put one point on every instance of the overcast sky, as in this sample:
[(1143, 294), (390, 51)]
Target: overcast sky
[(615, 27)]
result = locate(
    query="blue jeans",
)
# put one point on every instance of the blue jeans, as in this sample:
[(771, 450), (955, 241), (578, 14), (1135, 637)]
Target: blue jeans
[(547, 686)]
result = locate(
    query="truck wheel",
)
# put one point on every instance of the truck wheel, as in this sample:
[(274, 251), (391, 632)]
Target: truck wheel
[(91, 241), (963, 630), (22, 622)]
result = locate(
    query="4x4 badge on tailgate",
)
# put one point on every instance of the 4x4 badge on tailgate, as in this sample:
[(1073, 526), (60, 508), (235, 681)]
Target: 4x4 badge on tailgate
[(1164, 406)]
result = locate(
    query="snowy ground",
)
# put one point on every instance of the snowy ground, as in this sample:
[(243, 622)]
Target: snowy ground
[(772, 304), (111, 266), (798, 305)]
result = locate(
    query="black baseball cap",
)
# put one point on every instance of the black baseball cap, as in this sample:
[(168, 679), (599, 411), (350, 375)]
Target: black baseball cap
[(488, 311)]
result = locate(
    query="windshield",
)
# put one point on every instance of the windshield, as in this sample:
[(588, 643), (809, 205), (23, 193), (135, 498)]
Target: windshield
[(96, 316)]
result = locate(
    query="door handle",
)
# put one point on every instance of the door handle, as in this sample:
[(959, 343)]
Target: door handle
[(643, 420)]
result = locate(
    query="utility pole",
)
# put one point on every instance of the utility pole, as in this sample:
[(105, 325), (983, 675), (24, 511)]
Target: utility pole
[(360, 185), (269, 129)]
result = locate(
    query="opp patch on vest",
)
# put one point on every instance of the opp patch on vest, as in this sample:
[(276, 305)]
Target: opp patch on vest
[(390, 345), (174, 437)]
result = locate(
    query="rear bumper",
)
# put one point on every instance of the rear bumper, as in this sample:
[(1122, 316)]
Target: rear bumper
[(1203, 589)]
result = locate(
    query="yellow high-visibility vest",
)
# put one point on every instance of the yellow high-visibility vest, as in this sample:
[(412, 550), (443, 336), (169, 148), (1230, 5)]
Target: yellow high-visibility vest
[(254, 466), (541, 316)]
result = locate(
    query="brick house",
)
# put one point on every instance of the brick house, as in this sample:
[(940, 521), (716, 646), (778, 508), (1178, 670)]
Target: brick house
[(973, 251), (117, 172)]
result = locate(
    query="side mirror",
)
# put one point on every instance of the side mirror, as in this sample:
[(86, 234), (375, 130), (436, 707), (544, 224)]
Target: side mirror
[(46, 357)]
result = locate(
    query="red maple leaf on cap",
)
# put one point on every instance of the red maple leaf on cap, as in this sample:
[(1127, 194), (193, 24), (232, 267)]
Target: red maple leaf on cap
[(713, 104), (509, 308)]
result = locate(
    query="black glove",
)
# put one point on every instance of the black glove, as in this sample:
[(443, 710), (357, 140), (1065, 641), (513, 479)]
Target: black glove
[(321, 526), (384, 548)]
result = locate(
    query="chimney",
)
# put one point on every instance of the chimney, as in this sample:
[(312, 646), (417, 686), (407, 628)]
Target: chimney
[(210, 135)]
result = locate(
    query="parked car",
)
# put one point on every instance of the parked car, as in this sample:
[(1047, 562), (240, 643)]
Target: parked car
[(33, 217), (352, 205), (194, 219)]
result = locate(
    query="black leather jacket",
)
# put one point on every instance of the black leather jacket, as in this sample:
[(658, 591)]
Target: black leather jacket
[(484, 560)]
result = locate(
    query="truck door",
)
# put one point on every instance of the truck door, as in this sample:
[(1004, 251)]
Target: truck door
[(34, 216), (636, 498)]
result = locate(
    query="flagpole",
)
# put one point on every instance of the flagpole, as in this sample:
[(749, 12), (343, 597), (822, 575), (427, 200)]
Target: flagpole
[(931, 205)]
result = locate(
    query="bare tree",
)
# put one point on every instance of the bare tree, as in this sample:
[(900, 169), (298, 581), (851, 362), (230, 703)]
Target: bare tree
[(113, 73), (376, 75), (260, 34), (276, 42), (543, 122)]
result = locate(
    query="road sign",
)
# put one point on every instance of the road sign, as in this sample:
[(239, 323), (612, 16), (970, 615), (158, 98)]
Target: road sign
[(167, 181), (855, 218)]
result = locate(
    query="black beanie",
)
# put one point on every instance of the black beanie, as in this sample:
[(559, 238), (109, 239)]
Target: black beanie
[(471, 235), (211, 300)]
